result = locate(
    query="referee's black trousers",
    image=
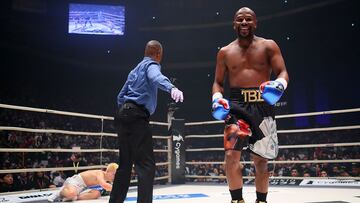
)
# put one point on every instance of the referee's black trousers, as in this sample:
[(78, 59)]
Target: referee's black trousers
[(135, 147)]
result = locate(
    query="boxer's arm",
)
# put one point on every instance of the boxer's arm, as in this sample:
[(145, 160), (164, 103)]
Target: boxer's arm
[(277, 63), (102, 182), (220, 72), (220, 106), (106, 186)]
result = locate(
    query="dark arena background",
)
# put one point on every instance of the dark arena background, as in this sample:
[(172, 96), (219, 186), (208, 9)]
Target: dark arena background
[(44, 66)]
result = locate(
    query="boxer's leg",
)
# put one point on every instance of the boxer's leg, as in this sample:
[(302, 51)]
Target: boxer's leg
[(92, 194), (261, 177), (233, 147), (69, 192), (233, 169)]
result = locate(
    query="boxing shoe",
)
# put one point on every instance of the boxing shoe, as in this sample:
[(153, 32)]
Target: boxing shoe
[(257, 201)]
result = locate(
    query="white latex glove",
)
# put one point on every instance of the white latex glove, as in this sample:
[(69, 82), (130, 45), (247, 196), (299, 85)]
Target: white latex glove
[(177, 95)]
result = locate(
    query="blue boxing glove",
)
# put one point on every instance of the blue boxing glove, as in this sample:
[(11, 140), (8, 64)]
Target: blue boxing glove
[(95, 187), (99, 188), (220, 107), (271, 91)]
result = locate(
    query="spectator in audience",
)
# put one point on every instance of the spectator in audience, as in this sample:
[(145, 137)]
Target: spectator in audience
[(7, 183), (323, 173), (335, 171), (75, 160), (22, 181), (58, 178), (306, 174), (294, 172), (355, 170), (12, 140), (41, 181), (310, 168)]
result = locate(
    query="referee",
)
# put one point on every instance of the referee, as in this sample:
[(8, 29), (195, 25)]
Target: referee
[(137, 101)]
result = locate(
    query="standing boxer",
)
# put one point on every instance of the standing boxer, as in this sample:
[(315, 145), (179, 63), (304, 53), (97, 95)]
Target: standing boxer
[(248, 62)]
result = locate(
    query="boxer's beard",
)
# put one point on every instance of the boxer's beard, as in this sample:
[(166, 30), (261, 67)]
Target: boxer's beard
[(241, 37)]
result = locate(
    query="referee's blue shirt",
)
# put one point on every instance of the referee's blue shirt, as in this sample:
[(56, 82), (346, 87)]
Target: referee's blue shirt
[(142, 85)]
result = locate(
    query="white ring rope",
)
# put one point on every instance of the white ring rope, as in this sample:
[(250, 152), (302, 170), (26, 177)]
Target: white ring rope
[(352, 127), (279, 177), (319, 113), (161, 137), (286, 116), (31, 150), (24, 108), (159, 123), (203, 123), (321, 129), (280, 162), (286, 146), (64, 168), (349, 144), (66, 150), (163, 164), (51, 169), (66, 132), (39, 110), (204, 136)]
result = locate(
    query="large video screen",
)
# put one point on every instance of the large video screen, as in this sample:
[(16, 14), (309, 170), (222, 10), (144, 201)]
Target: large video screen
[(96, 19)]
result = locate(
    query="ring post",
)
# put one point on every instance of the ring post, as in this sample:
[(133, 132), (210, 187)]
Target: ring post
[(178, 151)]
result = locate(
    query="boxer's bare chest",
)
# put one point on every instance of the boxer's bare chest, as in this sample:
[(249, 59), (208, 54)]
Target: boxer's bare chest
[(248, 67)]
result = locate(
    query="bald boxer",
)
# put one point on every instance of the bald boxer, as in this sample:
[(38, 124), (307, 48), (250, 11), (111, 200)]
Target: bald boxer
[(95, 181), (249, 117)]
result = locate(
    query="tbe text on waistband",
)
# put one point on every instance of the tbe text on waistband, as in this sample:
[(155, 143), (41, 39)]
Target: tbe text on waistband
[(246, 95)]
